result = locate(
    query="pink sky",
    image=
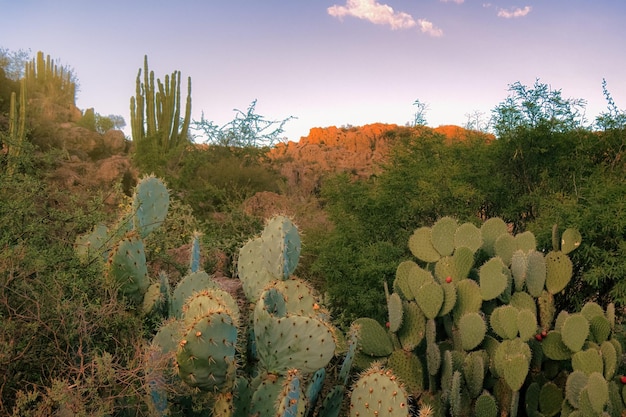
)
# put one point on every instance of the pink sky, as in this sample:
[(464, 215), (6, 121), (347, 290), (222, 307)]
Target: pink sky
[(330, 62)]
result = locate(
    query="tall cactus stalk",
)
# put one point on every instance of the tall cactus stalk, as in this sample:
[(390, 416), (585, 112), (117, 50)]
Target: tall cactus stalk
[(43, 75), (155, 109), (17, 128)]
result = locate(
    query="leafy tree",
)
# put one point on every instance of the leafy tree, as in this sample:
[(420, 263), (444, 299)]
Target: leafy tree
[(13, 62), (419, 118), (247, 129)]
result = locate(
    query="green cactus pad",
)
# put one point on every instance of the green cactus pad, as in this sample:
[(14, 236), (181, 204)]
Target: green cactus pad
[(550, 399), (468, 299), (331, 405), (445, 268), (472, 328), (531, 399), (404, 274), (610, 359), (468, 236), (289, 342), (474, 372), (526, 324), (409, 370), (519, 268), (491, 230), (610, 314), (413, 328), (190, 284), (155, 300), (485, 406), (443, 235), (281, 241), (126, 267), (373, 338), (598, 391), (206, 353), (93, 244), (523, 301), (547, 309), (554, 348), (223, 405), (378, 393), (526, 241), (504, 247), (300, 297), (421, 245), (559, 271), (515, 371), (449, 298), (503, 321), (206, 301), (600, 329), (430, 299), (588, 361), (290, 400), (592, 309), (150, 204), (252, 269), (492, 279), (265, 396), (396, 312), (419, 277), (536, 273), (433, 358), (574, 331), (576, 382), (503, 355), (570, 240)]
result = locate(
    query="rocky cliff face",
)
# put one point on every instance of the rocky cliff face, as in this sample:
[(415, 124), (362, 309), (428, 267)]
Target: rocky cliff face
[(358, 150), (330, 150)]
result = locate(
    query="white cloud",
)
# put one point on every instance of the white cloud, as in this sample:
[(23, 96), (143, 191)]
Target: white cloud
[(380, 14), (428, 28), (453, 1), (512, 13)]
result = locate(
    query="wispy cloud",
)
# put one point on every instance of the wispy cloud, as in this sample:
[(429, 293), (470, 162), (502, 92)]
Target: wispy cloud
[(453, 1), (382, 14), (428, 28), (514, 12)]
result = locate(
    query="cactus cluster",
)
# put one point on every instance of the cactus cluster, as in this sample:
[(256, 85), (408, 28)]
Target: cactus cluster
[(121, 246), (155, 111), (473, 329), (17, 128), (266, 358)]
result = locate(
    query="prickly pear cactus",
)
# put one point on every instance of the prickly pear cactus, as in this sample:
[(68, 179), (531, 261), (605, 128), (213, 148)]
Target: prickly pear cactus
[(377, 393), (127, 268), (150, 204)]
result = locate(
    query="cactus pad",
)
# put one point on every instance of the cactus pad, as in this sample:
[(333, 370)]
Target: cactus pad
[(430, 299), (559, 271), (443, 235), (570, 240), (472, 328), (575, 331), (127, 267), (378, 393), (395, 309), (550, 399), (413, 328), (468, 236), (421, 245), (206, 353), (150, 204), (491, 230), (493, 281), (373, 338)]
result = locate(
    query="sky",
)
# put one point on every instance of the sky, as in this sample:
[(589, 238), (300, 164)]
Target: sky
[(330, 63)]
